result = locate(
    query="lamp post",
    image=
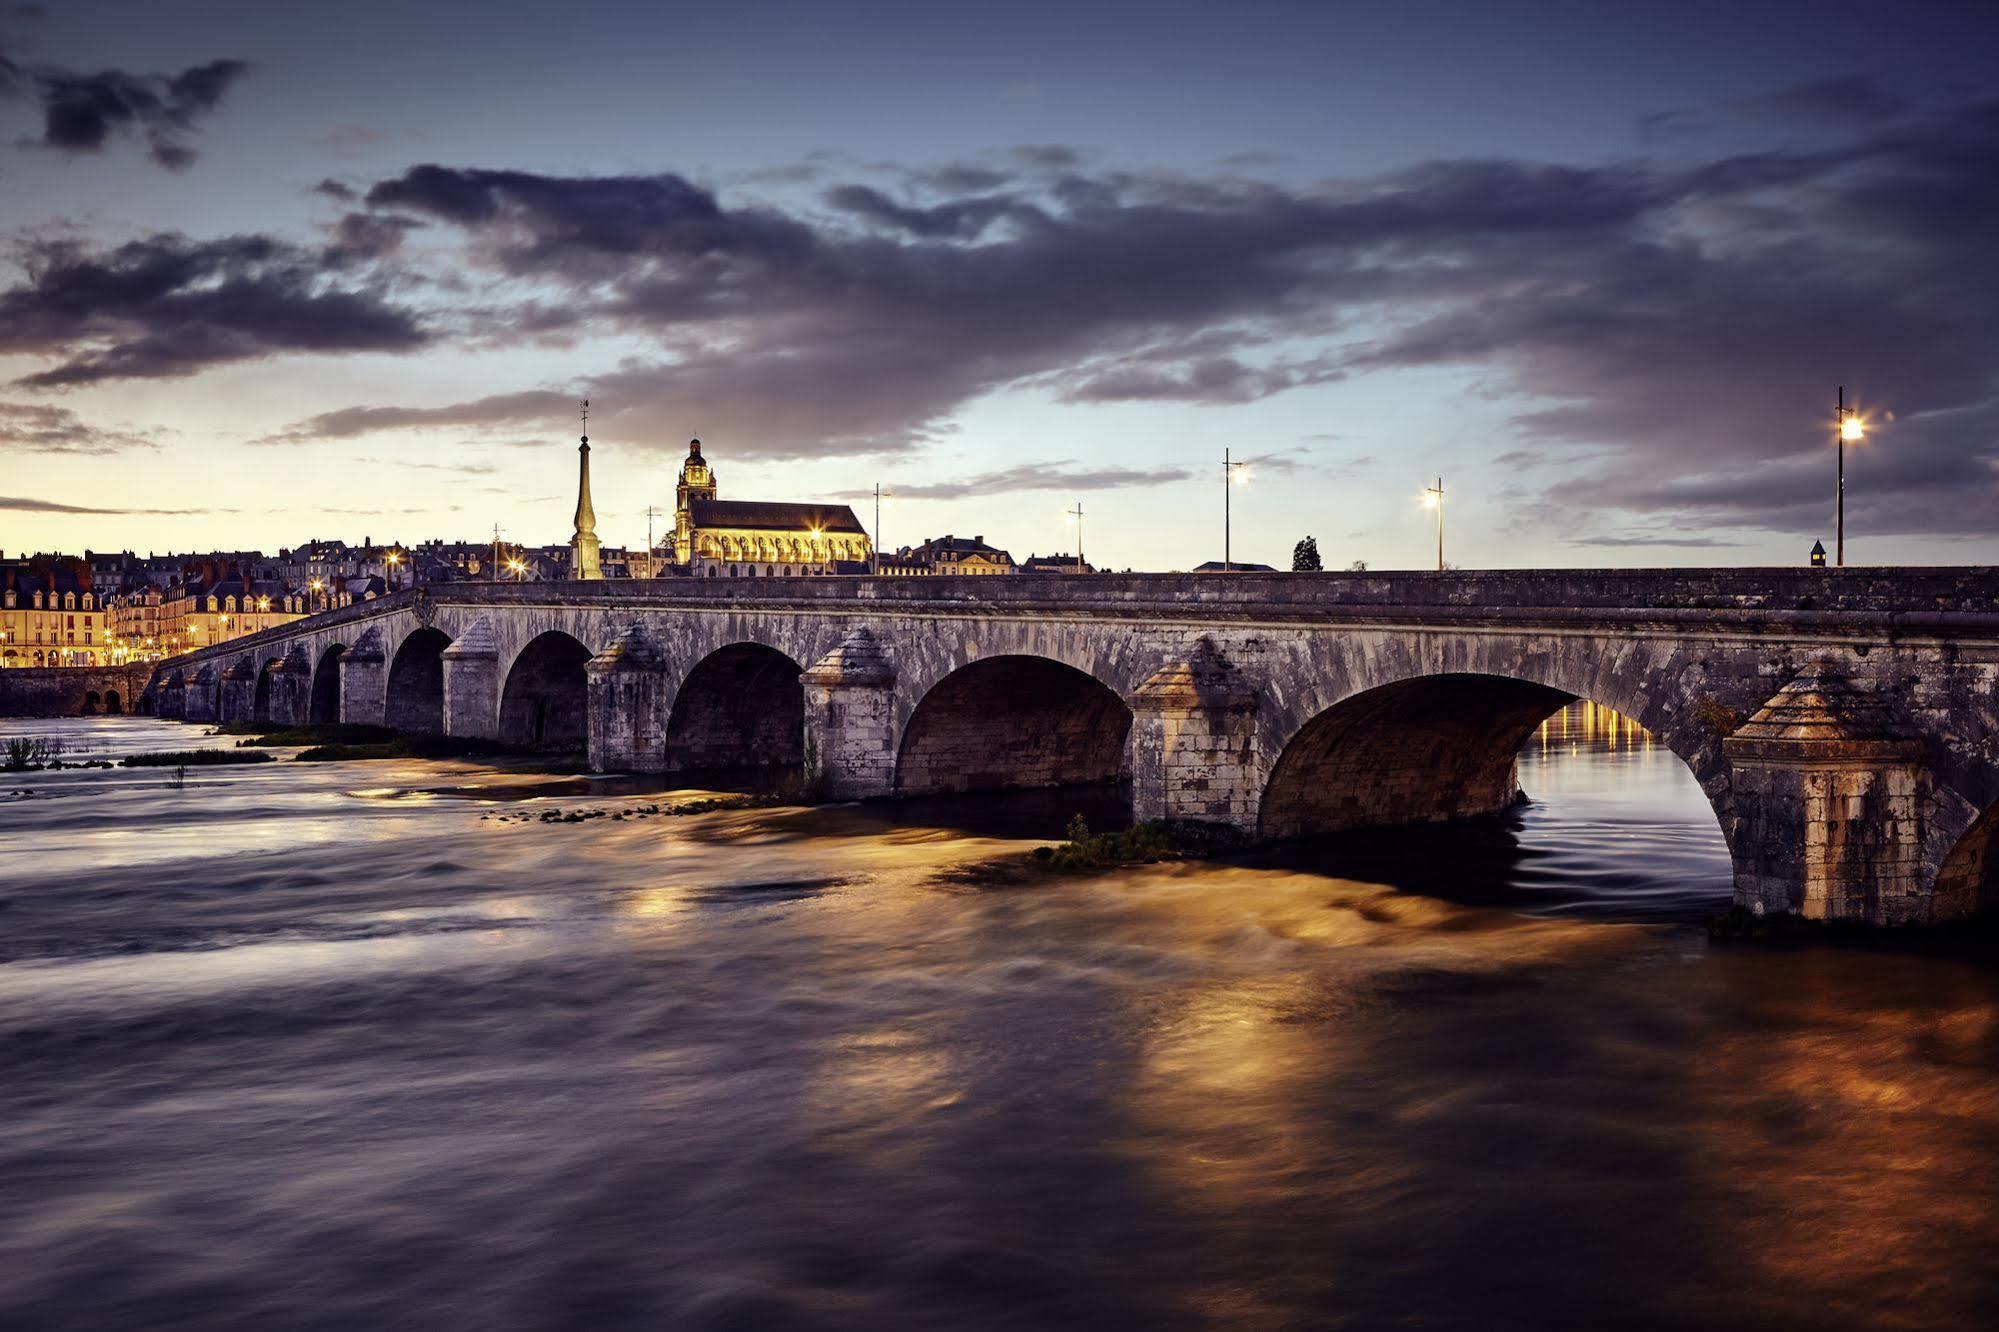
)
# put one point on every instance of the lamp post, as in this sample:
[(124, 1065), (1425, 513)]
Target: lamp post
[(880, 494), (1076, 514), (316, 588), (395, 560), (1847, 426), (1233, 475), (1433, 497)]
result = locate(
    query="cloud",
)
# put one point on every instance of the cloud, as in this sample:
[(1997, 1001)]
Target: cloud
[(39, 428), (81, 112), (1651, 539), (169, 306), (19, 504), (1677, 325), (1033, 476)]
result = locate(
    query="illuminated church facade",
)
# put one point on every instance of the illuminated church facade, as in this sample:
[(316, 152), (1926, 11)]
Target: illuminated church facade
[(718, 538)]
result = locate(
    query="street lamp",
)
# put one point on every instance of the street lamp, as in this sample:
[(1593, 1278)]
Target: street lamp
[(880, 495), (1433, 498), (395, 566), (1075, 516), (519, 569), (316, 587), (1233, 474), (1848, 427)]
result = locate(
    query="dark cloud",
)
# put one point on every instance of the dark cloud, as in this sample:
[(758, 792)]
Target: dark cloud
[(336, 190), (41, 428), (1034, 476), (20, 504), (542, 405), (169, 306), (81, 112), (963, 218), (1676, 328)]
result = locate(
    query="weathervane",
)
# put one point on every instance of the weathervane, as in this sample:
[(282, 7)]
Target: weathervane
[(586, 420)]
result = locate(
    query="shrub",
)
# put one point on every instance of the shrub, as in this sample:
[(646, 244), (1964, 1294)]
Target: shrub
[(194, 758)]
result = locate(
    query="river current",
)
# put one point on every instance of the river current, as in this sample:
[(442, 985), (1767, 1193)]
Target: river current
[(374, 1045)]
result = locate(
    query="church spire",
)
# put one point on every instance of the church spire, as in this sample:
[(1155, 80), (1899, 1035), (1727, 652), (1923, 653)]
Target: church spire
[(583, 561)]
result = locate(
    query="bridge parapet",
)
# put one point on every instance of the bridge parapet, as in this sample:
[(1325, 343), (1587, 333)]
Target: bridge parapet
[(1284, 704)]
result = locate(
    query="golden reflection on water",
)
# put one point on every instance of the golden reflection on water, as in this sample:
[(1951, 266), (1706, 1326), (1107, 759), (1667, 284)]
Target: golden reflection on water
[(1586, 723)]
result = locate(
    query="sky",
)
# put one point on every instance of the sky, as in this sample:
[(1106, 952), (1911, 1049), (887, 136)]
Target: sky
[(278, 272)]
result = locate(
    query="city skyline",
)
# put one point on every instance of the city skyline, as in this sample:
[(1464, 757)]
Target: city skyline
[(1606, 285)]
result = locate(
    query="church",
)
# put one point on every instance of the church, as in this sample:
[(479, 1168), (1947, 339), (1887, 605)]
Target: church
[(718, 538)]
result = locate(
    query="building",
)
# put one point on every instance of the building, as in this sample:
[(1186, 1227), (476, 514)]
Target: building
[(1060, 564), (50, 614), (950, 556), (714, 537), (1235, 566), (215, 605)]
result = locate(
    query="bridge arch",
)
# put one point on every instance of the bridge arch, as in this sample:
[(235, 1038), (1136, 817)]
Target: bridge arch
[(92, 700), (415, 698), (1968, 880), (324, 707), (260, 704), (545, 700), (1423, 748), (740, 709), (113, 705), (1014, 721)]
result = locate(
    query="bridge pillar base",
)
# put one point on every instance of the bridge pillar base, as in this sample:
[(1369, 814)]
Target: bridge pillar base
[(290, 702), (630, 703), (850, 720), (171, 701), (201, 700), (1830, 802), (364, 681), (472, 684), (1193, 743), (238, 698)]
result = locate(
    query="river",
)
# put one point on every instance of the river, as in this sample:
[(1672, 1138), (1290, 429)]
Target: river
[(372, 1044)]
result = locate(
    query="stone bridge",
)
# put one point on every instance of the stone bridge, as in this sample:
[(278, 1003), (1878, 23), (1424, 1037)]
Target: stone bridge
[(1843, 723)]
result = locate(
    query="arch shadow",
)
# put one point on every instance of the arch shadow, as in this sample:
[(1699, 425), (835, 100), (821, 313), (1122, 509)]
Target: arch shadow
[(1968, 880), (324, 708), (545, 702), (739, 720), (1014, 722), (415, 700)]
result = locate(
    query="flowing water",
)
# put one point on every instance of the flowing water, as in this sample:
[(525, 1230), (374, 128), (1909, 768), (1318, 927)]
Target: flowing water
[(372, 1044)]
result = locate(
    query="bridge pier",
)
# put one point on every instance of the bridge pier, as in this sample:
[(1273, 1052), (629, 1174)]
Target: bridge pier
[(238, 698), (850, 720), (290, 700), (1193, 743), (364, 675), (201, 695), (1829, 804), (472, 683), (630, 703), (171, 703)]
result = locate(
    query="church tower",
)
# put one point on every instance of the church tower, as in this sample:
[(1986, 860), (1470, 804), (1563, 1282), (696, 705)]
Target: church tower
[(697, 482), (583, 560)]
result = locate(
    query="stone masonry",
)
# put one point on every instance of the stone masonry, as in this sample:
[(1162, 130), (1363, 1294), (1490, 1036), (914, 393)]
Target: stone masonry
[(1844, 724)]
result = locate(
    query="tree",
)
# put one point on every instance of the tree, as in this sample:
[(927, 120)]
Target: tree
[(1358, 566), (1305, 556)]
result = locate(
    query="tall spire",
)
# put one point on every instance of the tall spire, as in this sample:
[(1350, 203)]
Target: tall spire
[(583, 561)]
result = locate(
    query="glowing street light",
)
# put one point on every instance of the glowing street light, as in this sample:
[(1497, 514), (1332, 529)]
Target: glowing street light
[(1849, 427), (395, 566), (518, 568), (1433, 498), (316, 588)]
